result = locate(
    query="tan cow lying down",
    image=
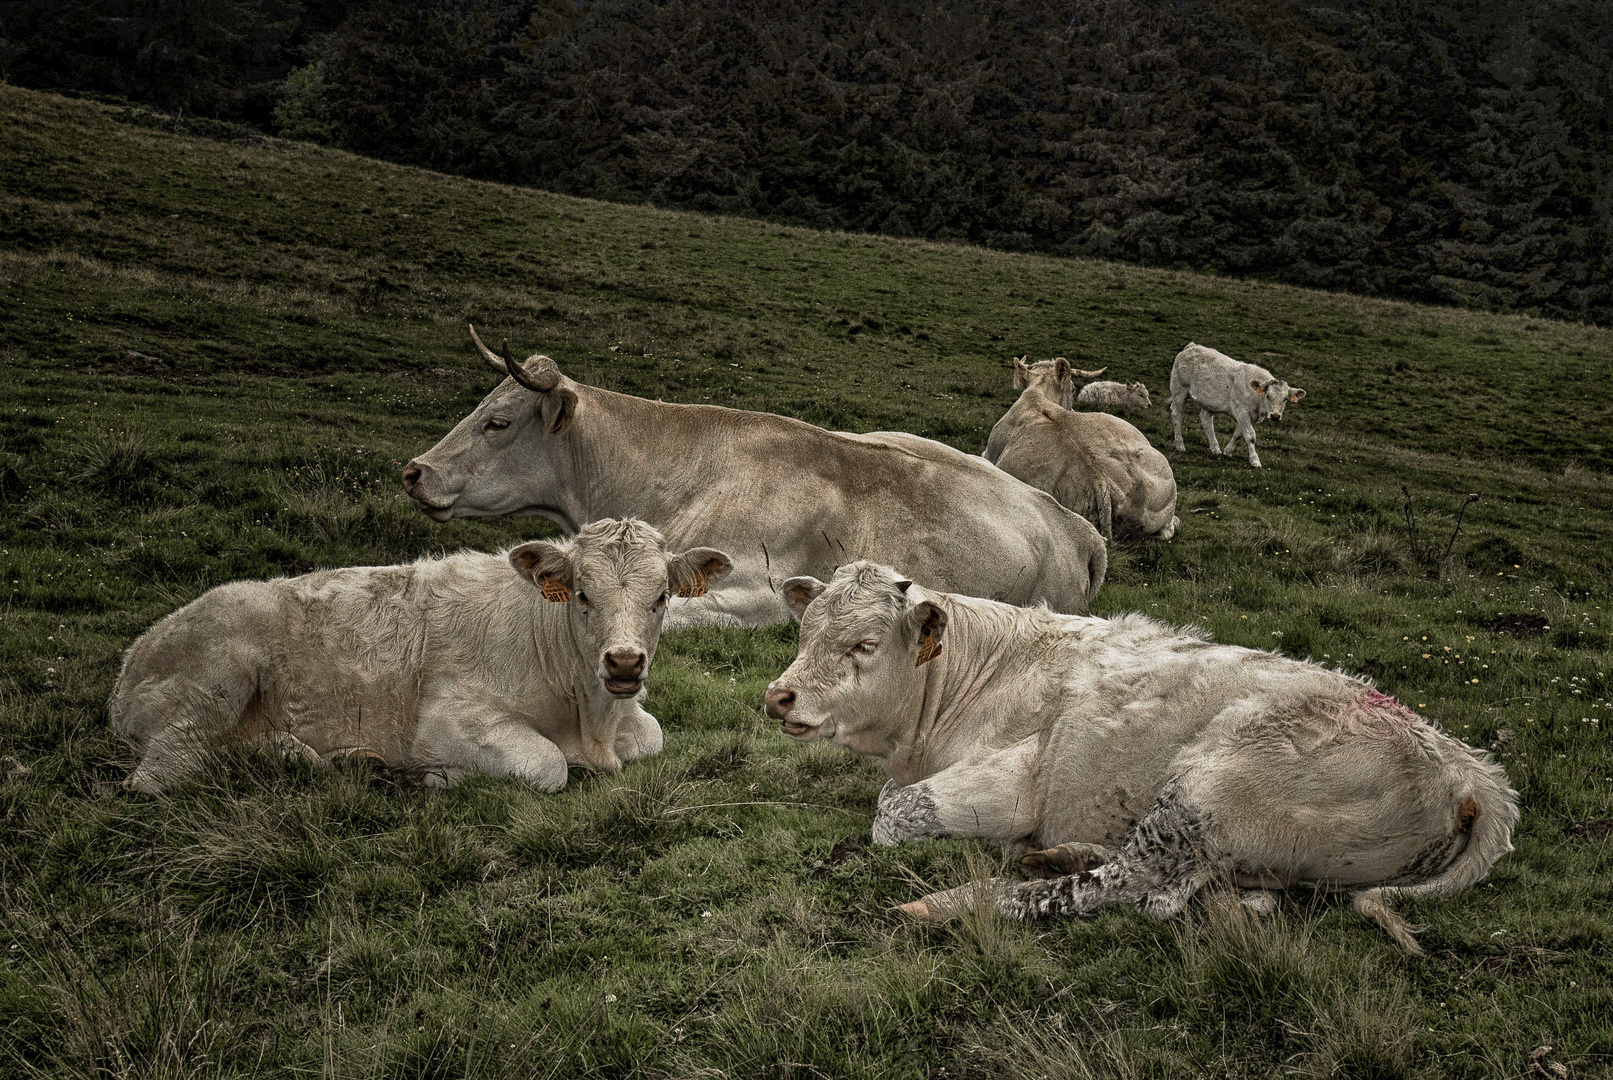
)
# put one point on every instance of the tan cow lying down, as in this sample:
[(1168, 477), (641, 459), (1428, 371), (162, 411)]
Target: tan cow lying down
[(1096, 464), (780, 496), (454, 665), (1137, 761)]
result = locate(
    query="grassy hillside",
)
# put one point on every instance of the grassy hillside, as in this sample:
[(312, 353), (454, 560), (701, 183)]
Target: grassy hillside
[(217, 353)]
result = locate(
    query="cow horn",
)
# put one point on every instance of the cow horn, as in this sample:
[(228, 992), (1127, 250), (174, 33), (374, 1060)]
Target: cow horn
[(1090, 374), (506, 365)]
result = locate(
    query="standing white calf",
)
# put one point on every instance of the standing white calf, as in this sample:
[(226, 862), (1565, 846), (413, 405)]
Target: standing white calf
[(453, 665), (1139, 762), (1223, 386), (1115, 395)]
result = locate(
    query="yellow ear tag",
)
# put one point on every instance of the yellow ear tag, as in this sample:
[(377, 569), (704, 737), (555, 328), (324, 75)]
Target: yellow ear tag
[(929, 649), (697, 589), (553, 591)]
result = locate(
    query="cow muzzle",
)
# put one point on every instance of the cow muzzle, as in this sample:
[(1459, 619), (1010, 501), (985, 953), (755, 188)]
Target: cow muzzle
[(624, 671), (416, 481), (780, 703)]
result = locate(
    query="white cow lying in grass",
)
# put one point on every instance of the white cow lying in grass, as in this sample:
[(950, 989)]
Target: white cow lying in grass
[(1115, 395), (452, 665), (1226, 387), (1137, 761), (1095, 464)]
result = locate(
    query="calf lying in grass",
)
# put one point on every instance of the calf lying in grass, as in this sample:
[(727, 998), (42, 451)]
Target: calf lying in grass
[(1136, 762), (454, 665)]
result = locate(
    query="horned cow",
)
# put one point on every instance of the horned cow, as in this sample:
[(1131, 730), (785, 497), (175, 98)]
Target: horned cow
[(452, 665), (1135, 762), (782, 497)]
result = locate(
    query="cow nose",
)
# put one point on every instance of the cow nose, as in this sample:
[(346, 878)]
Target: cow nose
[(779, 702), (411, 476), (625, 664)]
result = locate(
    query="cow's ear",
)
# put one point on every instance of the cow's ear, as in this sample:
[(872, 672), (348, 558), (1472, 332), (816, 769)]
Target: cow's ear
[(798, 592), (929, 622), (1256, 387), (1022, 372), (692, 573), (547, 566), (558, 406), (1062, 369), (1295, 393)]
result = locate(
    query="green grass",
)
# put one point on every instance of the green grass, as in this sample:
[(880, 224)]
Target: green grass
[(217, 353)]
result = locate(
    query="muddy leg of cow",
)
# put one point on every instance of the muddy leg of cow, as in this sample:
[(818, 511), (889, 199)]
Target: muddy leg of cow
[(989, 797), (1066, 858), (1159, 867), (1207, 418)]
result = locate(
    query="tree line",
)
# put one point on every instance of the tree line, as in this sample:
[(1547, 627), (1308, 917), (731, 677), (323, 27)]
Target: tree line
[(1454, 151)]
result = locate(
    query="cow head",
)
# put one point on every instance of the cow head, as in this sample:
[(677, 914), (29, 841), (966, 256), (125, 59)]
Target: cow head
[(1053, 379), (1272, 397), (615, 577), (493, 460), (1140, 398), (864, 638)]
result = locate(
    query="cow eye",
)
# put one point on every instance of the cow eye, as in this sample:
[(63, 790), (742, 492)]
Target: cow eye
[(496, 423), (582, 598), (864, 648), (660, 602)]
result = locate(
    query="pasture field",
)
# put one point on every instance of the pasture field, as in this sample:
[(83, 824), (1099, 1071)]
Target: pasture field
[(216, 353)]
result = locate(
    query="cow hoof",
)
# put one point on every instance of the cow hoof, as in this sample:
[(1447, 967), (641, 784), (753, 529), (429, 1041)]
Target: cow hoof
[(1063, 860), (919, 911)]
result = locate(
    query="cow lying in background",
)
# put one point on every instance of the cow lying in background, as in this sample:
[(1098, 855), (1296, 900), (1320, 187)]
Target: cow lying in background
[(1226, 387), (780, 496), (1096, 464), (1115, 395), (453, 665), (1137, 761)]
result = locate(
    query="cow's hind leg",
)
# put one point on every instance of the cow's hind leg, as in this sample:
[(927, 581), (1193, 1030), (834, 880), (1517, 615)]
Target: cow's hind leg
[(1158, 868), (1178, 404), (1207, 418), (988, 797), (1067, 858)]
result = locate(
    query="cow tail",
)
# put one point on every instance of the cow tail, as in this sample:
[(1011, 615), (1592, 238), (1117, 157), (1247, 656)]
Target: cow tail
[(1486, 810), (1097, 567)]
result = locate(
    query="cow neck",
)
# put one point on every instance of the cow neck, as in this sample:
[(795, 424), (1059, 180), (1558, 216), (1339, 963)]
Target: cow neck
[(974, 669)]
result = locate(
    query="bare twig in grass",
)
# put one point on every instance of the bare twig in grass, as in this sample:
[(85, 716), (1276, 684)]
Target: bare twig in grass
[(1425, 557)]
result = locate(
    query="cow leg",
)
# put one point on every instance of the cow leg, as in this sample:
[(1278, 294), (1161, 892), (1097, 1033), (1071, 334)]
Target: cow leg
[(169, 755), (1245, 430), (1207, 418), (638, 735), (988, 797), (1158, 868), (1067, 858), (501, 748), (1178, 404)]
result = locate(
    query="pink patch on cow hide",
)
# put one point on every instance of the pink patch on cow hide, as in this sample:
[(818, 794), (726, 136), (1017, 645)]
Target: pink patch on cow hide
[(1377, 712)]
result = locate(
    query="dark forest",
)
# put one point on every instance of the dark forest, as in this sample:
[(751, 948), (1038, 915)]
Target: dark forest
[(1454, 152)]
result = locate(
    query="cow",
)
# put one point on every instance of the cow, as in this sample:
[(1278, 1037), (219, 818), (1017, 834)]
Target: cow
[(1223, 386), (780, 496), (450, 665), (1096, 464), (1136, 762), (1115, 395)]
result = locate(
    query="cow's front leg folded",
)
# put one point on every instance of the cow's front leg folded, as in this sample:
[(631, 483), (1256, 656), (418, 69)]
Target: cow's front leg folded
[(991, 796), (1158, 868)]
